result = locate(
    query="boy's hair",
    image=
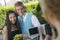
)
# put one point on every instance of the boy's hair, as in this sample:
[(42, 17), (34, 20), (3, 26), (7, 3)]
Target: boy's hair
[(19, 3), (53, 5)]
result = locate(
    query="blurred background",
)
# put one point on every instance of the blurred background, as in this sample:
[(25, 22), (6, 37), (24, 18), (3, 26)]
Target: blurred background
[(31, 6)]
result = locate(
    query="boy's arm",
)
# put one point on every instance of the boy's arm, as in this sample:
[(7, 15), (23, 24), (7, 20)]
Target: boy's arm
[(35, 21)]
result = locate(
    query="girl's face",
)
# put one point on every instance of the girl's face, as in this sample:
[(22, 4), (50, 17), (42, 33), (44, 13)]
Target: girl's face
[(12, 18)]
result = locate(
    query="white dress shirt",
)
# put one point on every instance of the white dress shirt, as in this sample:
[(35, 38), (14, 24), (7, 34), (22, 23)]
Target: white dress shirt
[(34, 20)]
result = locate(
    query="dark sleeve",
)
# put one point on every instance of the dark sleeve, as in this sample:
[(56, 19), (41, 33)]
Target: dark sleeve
[(48, 29)]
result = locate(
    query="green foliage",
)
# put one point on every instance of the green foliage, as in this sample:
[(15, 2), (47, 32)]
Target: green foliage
[(31, 7), (17, 37), (3, 11), (38, 14)]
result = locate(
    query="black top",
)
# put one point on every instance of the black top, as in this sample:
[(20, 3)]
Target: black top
[(13, 33)]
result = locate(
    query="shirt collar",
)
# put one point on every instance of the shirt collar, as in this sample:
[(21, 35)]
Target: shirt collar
[(24, 15)]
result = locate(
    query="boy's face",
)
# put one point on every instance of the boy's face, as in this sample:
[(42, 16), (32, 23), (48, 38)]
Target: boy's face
[(19, 10)]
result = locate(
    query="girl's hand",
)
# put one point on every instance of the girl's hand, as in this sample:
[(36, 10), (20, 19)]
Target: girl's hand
[(48, 37)]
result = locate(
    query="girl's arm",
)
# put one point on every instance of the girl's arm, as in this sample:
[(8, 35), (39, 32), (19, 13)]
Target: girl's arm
[(5, 33)]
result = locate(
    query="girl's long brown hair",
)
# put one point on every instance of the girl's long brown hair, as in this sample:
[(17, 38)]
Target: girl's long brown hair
[(8, 23)]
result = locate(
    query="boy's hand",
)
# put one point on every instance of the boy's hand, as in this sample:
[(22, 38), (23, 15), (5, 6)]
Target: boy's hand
[(25, 36)]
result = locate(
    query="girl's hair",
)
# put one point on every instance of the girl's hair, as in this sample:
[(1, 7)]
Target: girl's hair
[(54, 6), (8, 23)]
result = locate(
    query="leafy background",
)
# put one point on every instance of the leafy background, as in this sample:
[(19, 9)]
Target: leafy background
[(31, 7)]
